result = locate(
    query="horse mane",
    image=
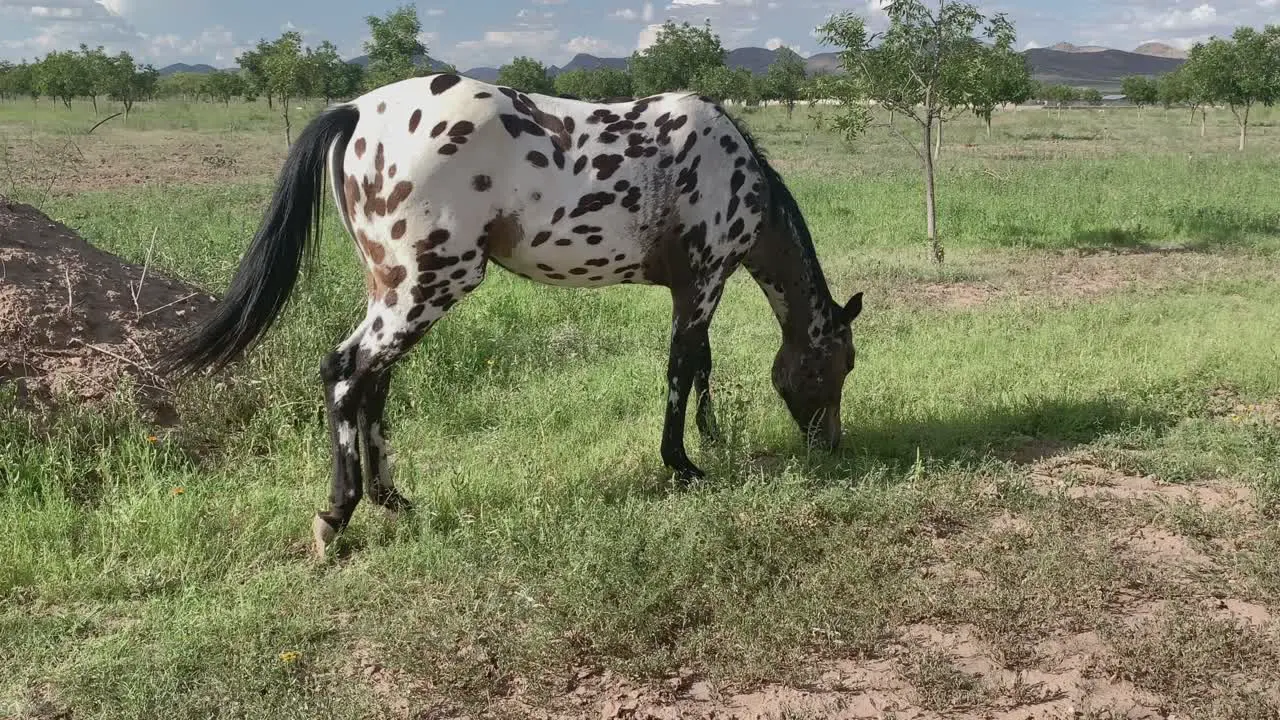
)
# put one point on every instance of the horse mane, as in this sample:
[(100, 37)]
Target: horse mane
[(782, 206)]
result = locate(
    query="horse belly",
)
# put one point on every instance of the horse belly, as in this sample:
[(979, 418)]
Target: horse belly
[(598, 249)]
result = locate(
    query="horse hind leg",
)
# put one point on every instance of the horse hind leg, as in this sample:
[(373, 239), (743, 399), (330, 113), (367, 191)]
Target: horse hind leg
[(357, 375), (379, 485)]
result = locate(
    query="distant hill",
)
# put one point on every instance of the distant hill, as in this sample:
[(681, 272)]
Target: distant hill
[(483, 74), (1080, 65), (421, 61), (822, 62), (1068, 47), (755, 59), (1158, 49), (583, 61), (1101, 69), (185, 68)]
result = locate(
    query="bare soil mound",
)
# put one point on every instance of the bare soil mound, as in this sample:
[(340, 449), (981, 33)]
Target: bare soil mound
[(75, 320)]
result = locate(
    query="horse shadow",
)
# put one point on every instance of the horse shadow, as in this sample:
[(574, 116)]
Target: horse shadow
[(892, 446)]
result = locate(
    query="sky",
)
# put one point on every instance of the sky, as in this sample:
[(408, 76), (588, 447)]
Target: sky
[(471, 33)]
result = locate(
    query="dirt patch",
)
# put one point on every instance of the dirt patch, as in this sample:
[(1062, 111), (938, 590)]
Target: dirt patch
[(59, 166), (75, 320), (1078, 476)]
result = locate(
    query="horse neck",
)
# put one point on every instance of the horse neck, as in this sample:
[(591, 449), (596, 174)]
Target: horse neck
[(792, 280)]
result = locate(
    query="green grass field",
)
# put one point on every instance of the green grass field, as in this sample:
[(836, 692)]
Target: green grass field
[(1039, 439)]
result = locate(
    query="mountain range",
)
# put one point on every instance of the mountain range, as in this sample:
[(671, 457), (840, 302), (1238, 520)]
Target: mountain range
[(1084, 66)]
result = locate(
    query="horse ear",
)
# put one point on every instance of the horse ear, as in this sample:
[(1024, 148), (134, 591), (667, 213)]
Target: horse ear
[(853, 309)]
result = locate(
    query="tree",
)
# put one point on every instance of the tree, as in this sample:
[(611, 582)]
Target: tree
[(920, 69), (1141, 90), (1093, 96), (526, 75), (1180, 87), (95, 68), (286, 74), (8, 76), (722, 83), (126, 82), (599, 84), (393, 47), (59, 75), (329, 76), (221, 86), (999, 76), (786, 78), (679, 54), (253, 63), (1240, 72), (1059, 95)]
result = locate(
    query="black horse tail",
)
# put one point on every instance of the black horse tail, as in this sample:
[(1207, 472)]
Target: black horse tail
[(269, 270)]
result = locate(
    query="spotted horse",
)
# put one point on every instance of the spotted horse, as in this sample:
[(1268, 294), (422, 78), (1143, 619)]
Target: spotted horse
[(437, 177)]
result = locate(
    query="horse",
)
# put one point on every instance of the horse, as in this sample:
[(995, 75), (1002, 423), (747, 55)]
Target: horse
[(437, 177)]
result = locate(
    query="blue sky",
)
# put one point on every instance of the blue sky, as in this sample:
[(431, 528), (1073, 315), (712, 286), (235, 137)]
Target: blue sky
[(491, 32)]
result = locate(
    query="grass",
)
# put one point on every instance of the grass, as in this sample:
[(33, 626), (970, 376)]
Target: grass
[(169, 577)]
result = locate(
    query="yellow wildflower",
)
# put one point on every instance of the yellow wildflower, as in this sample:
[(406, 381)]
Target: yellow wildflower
[(178, 490), (289, 657)]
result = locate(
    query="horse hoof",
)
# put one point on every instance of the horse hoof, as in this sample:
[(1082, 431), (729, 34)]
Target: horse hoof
[(688, 473), (322, 535)]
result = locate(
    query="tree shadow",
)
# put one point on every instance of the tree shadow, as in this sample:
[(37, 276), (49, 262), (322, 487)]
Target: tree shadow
[(1140, 239), (1218, 227)]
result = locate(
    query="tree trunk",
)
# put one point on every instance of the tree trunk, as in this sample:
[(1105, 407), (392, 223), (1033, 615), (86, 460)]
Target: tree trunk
[(95, 103), (270, 103), (988, 127), (930, 204), (288, 130), (937, 142), (1244, 126), (1203, 120)]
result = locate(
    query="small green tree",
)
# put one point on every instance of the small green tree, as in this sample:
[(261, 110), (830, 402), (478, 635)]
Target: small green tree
[(1140, 90), (393, 47), (1180, 87), (786, 78), (126, 82), (329, 76), (8, 72), (254, 64), (286, 70), (1059, 95), (998, 76), (222, 86), (59, 75), (1239, 72), (676, 57), (1093, 96), (920, 69), (96, 68), (526, 75), (598, 84)]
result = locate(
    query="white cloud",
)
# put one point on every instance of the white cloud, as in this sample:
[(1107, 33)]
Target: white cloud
[(648, 36), (1031, 45), (773, 43), (626, 14), (691, 3), (592, 46), (1268, 3), (647, 13), (1201, 16), (435, 12), (548, 2)]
